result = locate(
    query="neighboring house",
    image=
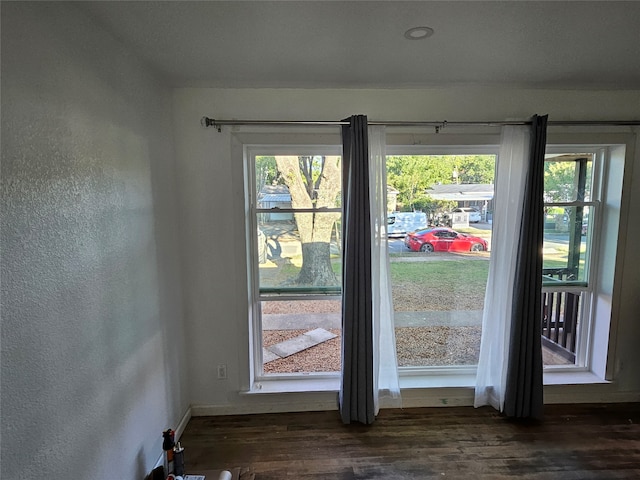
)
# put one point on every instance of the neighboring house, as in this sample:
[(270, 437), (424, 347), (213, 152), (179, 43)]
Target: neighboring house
[(275, 196), (478, 195)]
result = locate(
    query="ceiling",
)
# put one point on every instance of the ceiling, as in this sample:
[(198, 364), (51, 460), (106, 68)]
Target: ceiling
[(359, 44)]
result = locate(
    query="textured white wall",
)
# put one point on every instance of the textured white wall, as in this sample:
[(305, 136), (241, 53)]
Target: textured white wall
[(93, 362), (211, 191)]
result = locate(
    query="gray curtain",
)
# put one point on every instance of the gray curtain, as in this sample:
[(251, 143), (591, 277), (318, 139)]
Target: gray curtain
[(356, 391), (523, 392)]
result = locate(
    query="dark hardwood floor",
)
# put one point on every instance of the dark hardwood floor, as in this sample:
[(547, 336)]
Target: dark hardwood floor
[(573, 442)]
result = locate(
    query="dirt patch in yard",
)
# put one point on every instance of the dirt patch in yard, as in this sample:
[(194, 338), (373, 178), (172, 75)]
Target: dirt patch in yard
[(437, 346), (412, 297), (324, 357), (415, 346)]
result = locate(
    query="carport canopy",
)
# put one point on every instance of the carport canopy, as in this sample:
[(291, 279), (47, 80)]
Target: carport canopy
[(462, 192)]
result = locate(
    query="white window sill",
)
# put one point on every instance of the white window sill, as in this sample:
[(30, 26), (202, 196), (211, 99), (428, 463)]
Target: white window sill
[(568, 377), (412, 381), (296, 385)]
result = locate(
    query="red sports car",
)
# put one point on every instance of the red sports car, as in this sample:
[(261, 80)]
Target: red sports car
[(443, 240)]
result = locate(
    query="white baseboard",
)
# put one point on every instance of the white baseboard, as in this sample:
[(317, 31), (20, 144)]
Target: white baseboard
[(247, 409), (411, 398), (283, 403), (182, 424), (590, 397)]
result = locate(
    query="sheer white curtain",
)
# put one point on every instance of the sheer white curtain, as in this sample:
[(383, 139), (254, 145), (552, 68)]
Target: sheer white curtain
[(511, 173), (385, 367)]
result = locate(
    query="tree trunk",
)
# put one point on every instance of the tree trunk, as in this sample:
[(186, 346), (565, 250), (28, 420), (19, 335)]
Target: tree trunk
[(316, 254), (315, 229), (316, 267)]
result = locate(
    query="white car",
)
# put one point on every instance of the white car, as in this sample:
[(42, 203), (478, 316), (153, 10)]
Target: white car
[(474, 215), (401, 223)]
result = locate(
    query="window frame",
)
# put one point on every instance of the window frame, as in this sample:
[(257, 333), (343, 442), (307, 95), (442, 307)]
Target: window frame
[(585, 288), (597, 357), (440, 375), (258, 294), (595, 350), (599, 347)]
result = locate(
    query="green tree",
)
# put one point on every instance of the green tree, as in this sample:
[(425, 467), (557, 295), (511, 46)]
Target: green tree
[(412, 175), (266, 172), (475, 168), (560, 181)]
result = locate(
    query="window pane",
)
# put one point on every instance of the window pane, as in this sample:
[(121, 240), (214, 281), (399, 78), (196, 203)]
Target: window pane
[(299, 246), (301, 336), (565, 253), (561, 312), (568, 178), (439, 274), (438, 304), (292, 266), (298, 218)]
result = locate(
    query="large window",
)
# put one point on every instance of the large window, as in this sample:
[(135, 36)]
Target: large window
[(296, 216), (440, 204), (439, 259)]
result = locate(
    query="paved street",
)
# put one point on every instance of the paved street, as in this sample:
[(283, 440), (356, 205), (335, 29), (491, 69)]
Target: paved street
[(283, 242)]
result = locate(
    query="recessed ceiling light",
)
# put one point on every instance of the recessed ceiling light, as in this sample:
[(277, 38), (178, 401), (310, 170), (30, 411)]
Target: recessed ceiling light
[(418, 33)]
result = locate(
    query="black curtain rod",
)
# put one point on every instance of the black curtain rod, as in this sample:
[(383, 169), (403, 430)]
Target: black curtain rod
[(211, 122)]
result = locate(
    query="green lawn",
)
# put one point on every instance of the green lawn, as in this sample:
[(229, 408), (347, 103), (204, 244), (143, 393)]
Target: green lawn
[(450, 275), (439, 285), (473, 273)]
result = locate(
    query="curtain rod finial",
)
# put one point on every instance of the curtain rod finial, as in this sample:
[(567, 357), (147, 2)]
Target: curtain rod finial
[(440, 127), (210, 122)]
